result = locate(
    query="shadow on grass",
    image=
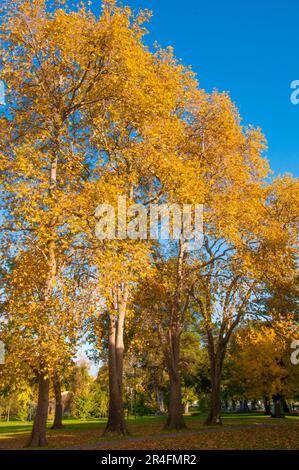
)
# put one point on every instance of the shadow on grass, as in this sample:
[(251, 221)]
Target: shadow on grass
[(90, 431)]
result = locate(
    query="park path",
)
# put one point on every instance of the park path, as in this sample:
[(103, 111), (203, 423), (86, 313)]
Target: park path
[(115, 443)]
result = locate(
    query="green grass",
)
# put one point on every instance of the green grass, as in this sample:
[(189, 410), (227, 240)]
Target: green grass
[(13, 435)]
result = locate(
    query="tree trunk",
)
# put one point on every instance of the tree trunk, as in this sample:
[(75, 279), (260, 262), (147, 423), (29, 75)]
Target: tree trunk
[(175, 418), (38, 435), (216, 361), (244, 408), (214, 416), (57, 424), (267, 406), (278, 409), (160, 401), (186, 411), (116, 419), (285, 406)]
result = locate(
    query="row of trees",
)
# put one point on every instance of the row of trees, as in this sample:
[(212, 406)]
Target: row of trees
[(94, 114), (257, 369), (80, 396)]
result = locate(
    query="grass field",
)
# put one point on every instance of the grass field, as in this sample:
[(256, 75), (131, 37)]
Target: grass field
[(248, 431)]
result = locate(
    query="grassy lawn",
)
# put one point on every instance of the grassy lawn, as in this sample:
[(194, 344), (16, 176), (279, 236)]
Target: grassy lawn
[(282, 434)]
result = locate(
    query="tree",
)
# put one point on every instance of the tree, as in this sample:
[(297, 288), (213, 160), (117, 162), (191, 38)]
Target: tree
[(54, 64), (138, 136), (57, 424), (95, 115), (260, 361), (119, 270), (40, 343), (229, 289), (164, 300)]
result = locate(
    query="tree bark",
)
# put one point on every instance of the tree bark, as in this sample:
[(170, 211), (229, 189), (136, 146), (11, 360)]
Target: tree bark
[(278, 408), (244, 408), (57, 424), (175, 419), (160, 401), (116, 419), (267, 406), (216, 360), (38, 435), (214, 416)]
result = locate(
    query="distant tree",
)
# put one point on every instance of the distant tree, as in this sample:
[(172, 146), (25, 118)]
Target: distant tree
[(261, 364)]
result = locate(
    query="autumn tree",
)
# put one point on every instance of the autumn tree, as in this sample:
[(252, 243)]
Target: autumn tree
[(40, 343), (53, 59), (164, 299), (137, 134), (94, 115), (229, 289), (260, 361)]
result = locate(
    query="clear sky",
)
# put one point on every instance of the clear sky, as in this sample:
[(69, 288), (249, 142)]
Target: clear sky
[(246, 47)]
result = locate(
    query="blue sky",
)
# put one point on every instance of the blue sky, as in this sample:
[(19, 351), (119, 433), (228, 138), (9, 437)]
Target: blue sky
[(248, 48)]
